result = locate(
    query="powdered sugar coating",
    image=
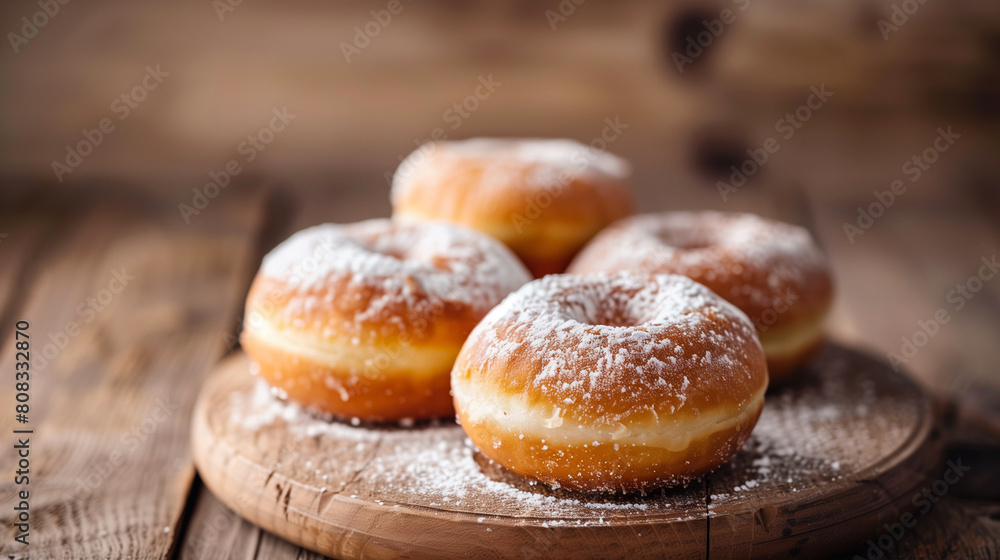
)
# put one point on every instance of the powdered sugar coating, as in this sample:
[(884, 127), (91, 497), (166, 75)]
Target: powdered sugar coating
[(380, 271), (502, 157), (757, 264), (608, 349)]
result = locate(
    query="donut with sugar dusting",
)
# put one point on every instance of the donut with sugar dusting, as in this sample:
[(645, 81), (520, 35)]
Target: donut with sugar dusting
[(365, 320), (611, 382), (542, 198), (773, 271)]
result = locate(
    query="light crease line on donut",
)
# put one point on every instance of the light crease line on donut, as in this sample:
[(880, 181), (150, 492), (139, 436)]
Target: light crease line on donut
[(789, 341), (673, 433), (409, 359)]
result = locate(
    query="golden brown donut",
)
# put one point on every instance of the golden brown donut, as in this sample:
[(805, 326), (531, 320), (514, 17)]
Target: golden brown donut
[(542, 198), (365, 320), (611, 382), (774, 272)]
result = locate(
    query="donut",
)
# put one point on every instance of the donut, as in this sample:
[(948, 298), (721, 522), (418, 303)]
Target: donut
[(774, 272), (363, 321), (610, 382), (542, 198)]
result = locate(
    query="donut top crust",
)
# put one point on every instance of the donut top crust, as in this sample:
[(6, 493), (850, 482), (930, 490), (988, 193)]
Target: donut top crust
[(752, 262), (380, 278), (483, 178), (609, 349), (549, 157)]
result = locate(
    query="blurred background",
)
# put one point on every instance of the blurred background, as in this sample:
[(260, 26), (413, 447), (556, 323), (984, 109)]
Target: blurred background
[(365, 88), (875, 123), (186, 88)]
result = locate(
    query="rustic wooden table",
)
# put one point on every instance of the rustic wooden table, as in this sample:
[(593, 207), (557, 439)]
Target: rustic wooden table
[(130, 308)]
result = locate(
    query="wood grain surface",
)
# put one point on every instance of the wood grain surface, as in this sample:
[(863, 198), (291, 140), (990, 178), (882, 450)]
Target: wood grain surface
[(124, 311), (835, 455)]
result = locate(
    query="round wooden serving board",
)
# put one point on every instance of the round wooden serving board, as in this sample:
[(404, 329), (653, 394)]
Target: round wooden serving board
[(836, 454)]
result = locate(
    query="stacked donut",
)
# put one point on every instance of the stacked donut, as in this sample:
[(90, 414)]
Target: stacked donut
[(639, 358), (773, 272), (542, 198)]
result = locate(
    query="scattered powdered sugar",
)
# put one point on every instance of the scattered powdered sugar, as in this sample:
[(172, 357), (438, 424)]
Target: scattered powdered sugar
[(618, 345), (391, 272), (827, 430), (262, 407), (793, 451), (745, 258), (431, 465)]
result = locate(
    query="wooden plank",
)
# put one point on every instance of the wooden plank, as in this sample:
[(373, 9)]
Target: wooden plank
[(277, 548), (215, 531), (952, 529), (111, 399), (21, 237), (368, 492)]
